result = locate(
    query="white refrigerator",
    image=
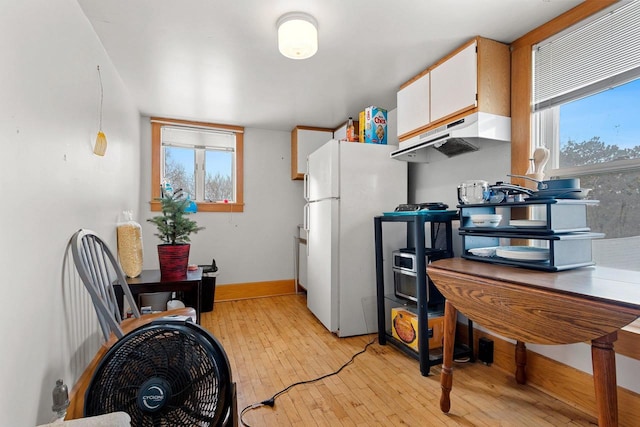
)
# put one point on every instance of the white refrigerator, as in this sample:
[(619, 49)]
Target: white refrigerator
[(347, 184)]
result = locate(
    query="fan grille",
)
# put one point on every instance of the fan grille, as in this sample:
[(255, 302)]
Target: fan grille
[(182, 356), (455, 147)]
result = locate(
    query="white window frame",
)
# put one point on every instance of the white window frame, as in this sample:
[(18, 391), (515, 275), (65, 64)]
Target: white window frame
[(200, 149), (546, 133), (583, 60), (157, 163)]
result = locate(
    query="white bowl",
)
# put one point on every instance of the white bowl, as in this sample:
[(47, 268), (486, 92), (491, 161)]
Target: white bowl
[(486, 220)]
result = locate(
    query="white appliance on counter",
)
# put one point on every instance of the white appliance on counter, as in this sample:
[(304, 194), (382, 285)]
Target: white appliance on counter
[(347, 184)]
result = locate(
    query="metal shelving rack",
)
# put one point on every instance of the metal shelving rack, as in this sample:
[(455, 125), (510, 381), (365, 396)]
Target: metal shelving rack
[(565, 233), (415, 222)]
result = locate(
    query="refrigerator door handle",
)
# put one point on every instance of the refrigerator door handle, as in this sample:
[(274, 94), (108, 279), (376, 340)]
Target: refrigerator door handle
[(305, 187), (305, 218), (305, 223)]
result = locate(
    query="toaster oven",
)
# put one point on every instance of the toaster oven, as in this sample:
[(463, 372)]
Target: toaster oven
[(404, 277)]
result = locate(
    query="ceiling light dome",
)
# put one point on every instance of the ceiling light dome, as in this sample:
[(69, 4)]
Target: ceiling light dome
[(297, 35)]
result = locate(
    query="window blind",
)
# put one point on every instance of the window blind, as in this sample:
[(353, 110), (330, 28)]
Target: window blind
[(198, 138), (588, 58)]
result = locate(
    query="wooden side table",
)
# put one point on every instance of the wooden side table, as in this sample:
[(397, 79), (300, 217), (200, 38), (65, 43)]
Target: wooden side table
[(151, 281), (585, 304)]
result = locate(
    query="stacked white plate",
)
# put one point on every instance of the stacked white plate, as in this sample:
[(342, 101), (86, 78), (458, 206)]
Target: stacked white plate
[(486, 220), (525, 223), (523, 253)]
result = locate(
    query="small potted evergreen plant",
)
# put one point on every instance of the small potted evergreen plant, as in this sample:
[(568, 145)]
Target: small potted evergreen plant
[(174, 228)]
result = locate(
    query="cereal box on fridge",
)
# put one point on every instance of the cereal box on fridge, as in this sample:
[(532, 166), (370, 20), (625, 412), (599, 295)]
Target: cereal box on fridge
[(375, 125)]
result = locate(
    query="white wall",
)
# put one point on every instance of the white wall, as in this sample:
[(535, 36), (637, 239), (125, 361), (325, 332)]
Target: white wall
[(251, 246), (52, 184)]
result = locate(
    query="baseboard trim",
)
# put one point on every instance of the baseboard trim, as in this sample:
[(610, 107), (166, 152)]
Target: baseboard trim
[(556, 379), (239, 291)]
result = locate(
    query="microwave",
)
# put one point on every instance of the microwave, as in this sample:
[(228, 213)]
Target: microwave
[(404, 278), (405, 260)]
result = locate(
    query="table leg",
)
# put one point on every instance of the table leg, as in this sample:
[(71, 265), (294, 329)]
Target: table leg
[(603, 359), (198, 302), (521, 362), (446, 376)]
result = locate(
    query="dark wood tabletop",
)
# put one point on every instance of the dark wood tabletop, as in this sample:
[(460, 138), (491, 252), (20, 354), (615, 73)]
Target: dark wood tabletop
[(153, 276), (620, 287)]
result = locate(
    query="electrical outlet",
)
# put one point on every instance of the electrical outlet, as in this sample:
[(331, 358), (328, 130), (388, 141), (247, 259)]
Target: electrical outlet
[(485, 351)]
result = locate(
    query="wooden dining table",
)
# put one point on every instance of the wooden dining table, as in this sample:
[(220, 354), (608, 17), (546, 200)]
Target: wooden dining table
[(588, 304)]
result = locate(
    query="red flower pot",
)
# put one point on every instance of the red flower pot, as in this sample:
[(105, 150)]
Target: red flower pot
[(174, 260)]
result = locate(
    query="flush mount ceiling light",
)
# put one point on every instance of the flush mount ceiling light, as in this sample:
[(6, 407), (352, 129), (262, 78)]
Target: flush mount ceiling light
[(297, 35)]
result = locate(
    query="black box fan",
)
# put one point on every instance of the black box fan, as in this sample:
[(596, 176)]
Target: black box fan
[(165, 373)]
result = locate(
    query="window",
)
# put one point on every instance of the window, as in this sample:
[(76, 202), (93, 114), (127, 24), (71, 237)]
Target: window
[(586, 90), (202, 159)]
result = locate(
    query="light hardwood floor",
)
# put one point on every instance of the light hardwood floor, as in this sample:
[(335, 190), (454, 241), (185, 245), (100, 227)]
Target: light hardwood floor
[(274, 342)]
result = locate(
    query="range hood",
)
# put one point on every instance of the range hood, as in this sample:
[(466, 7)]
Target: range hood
[(460, 136)]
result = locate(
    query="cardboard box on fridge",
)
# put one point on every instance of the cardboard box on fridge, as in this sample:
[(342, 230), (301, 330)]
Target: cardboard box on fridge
[(404, 327), (375, 125)]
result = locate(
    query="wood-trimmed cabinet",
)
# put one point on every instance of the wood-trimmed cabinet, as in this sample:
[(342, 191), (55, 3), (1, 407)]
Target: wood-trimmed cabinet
[(474, 77), (413, 104), (304, 141), (454, 83)]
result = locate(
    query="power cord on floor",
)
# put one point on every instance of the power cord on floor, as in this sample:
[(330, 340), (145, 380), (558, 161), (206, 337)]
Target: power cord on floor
[(272, 400)]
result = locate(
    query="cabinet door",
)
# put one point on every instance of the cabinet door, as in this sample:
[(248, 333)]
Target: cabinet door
[(304, 142), (454, 84), (413, 105)]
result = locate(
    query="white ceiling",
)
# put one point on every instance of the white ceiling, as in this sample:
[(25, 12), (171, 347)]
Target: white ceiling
[(217, 61)]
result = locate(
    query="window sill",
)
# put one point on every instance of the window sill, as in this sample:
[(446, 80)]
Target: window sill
[(207, 207), (612, 166)]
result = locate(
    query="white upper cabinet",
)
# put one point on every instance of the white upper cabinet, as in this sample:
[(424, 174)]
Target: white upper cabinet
[(454, 84), (474, 77), (413, 105), (304, 141)]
